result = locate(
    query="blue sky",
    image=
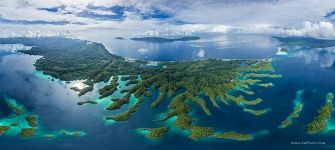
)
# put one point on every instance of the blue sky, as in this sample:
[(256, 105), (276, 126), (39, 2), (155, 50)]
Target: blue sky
[(168, 17)]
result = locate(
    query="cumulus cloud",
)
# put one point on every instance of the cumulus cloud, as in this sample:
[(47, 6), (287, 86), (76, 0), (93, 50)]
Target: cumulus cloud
[(245, 13), (13, 47), (204, 28), (102, 12), (187, 17), (33, 31), (321, 29), (33, 14), (143, 50), (234, 13), (200, 53), (187, 29)]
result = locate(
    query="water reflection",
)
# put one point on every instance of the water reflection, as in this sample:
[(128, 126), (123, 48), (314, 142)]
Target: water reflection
[(325, 57)]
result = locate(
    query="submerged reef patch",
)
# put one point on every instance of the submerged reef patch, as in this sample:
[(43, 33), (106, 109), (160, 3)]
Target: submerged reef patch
[(256, 112), (298, 105)]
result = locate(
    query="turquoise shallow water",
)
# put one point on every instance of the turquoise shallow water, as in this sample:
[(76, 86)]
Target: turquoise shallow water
[(56, 106)]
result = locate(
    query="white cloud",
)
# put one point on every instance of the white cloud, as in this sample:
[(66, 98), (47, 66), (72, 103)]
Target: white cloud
[(143, 51), (31, 14), (245, 13), (200, 53), (232, 13), (204, 28), (13, 47), (33, 31), (183, 30), (101, 12), (321, 29), (30, 10), (271, 17)]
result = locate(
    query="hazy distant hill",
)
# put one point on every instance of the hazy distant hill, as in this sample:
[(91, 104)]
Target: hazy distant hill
[(161, 39), (119, 38), (305, 42)]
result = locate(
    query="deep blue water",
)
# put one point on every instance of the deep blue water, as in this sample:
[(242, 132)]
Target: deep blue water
[(223, 46), (55, 103)]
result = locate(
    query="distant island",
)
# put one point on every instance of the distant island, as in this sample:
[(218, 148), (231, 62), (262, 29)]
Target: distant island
[(162, 40), (305, 42), (119, 38)]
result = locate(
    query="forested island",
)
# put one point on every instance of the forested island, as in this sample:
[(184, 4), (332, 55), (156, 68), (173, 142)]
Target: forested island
[(162, 40), (319, 124), (305, 42), (234, 135), (119, 38), (214, 79), (298, 106), (154, 133), (21, 123)]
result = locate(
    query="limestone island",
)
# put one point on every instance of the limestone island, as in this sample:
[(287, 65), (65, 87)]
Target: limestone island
[(12, 105), (234, 136), (87, 102), (282, 51), (256, 112), (155, 133), (186, 84), (32, 120), (25, 125), (298, 105), (319, 124), (27, 132), (4, 129)]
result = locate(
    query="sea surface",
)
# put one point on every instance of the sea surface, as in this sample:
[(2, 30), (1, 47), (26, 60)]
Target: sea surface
[(310, 70)]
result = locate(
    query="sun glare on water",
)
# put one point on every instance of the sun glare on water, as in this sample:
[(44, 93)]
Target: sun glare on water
[(78, 84)]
